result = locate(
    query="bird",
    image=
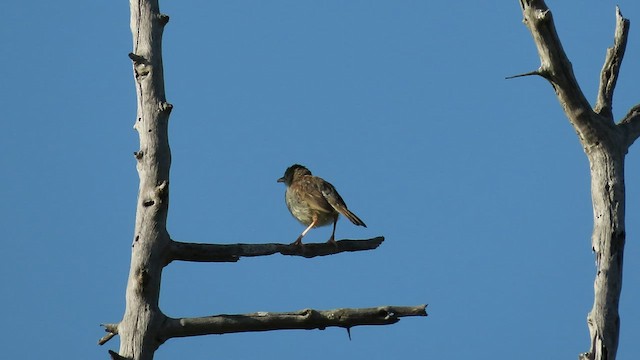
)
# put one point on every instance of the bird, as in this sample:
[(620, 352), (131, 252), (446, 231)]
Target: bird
[(314, 202)]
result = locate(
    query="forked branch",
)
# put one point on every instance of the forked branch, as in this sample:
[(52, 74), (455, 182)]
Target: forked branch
[(605, 144), (554, 63), (557, 69)]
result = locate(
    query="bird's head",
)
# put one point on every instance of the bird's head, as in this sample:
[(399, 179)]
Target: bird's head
[(292, 173)]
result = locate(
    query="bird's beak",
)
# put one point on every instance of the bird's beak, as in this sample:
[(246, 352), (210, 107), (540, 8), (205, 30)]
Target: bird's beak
[(281, 179)]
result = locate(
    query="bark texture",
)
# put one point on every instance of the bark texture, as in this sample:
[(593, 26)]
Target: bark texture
[(142, 318), (605, 144), (306, 319)]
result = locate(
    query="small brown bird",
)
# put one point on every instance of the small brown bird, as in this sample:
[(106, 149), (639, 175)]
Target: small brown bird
[(313, 201)]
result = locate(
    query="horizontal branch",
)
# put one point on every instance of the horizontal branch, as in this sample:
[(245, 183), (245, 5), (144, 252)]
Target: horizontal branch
[(530, 73), (306, 319), (232, 252)]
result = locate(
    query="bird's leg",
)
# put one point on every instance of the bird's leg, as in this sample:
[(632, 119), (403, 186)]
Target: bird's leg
[(298, 241), (332, 239)]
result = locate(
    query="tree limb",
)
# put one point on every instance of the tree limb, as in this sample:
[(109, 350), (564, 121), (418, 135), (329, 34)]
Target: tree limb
[(611, 67), (631, 125), (530, 73), (306, 319), (115, 356), (112, 330), (557, 69), (232, 252)]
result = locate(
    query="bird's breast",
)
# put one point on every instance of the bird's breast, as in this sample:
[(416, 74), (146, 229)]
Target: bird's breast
[(302, 210)]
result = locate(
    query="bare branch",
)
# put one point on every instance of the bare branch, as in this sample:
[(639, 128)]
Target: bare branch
[(103, 340), (556, 67), (200, 252), (232, 252), (115, 356), (111, 329), (306, 319), (611, 67), (631, 125), (530, 73)]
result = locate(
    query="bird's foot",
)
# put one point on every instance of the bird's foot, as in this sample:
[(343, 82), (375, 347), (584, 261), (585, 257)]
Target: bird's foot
[(298, 242), (333, 242)]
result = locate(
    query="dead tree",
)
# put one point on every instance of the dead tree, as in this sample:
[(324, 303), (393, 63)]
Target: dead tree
[(605, 142), (144, 327)]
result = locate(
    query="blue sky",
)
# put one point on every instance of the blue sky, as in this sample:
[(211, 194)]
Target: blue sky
[(478, 183)]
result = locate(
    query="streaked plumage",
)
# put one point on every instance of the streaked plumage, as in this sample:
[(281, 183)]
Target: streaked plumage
[(314, 201)]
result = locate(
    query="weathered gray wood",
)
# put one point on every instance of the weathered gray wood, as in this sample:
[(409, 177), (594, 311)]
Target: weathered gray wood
[(611, 67), (605, 144), (306, 319), (112, 330), (142, 317)]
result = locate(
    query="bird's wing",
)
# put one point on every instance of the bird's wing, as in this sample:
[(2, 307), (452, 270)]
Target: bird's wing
[(311, 187), (331, 195)]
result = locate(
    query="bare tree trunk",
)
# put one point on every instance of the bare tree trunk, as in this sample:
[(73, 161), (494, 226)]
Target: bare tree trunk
[(606, 160), (142, 318), (605, 144)]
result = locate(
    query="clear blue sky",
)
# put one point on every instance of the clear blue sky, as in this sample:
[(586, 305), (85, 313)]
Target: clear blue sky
[(478, 183)]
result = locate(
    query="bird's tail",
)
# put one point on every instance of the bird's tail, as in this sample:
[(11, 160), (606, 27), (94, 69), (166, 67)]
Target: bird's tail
[(353, 217)]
